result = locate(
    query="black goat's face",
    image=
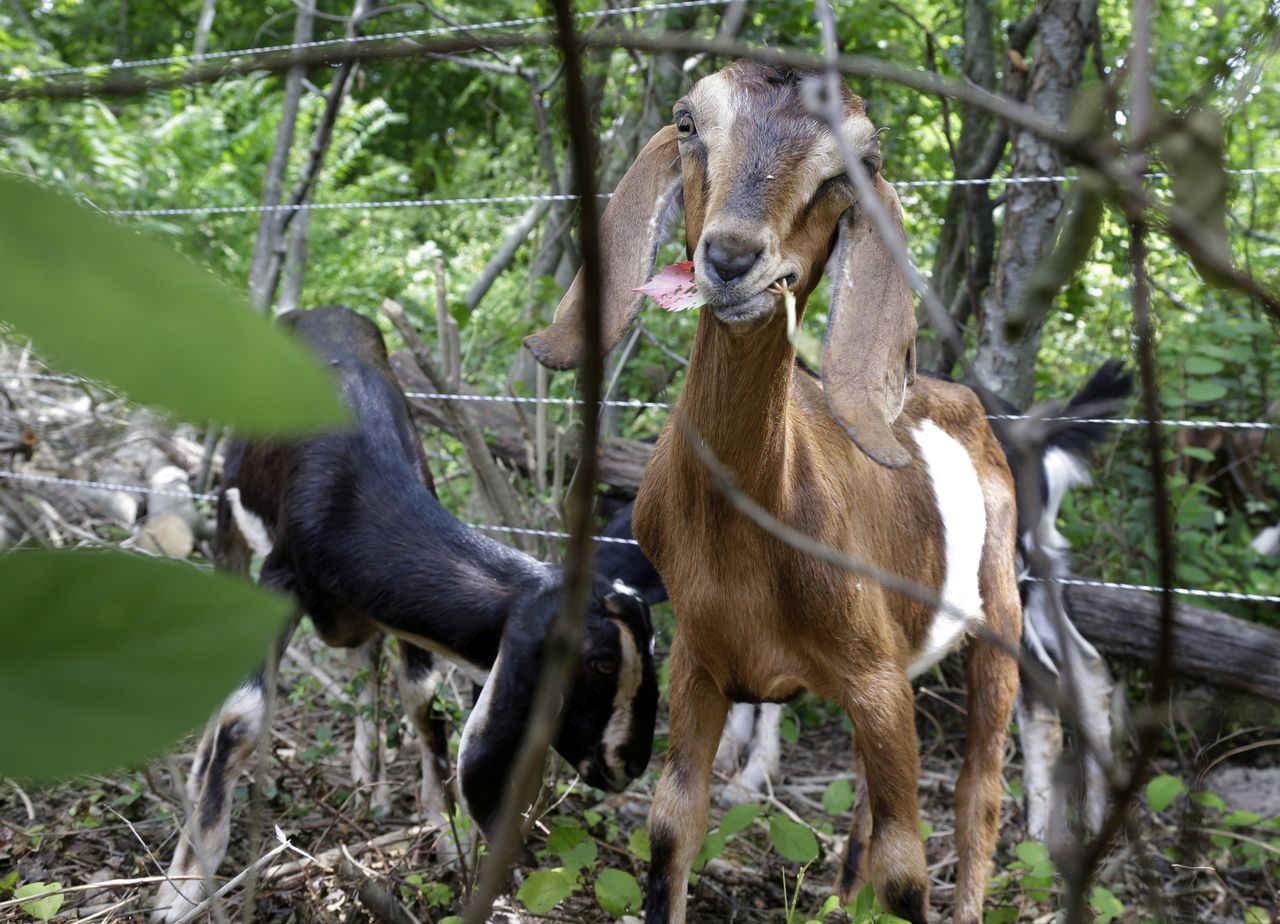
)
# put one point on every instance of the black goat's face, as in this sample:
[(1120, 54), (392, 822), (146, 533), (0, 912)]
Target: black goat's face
[(609, 714), (608, 711)]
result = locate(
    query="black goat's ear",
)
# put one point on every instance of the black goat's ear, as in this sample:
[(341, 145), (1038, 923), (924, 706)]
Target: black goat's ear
[(631, 231), (493, 734), (868, 357)]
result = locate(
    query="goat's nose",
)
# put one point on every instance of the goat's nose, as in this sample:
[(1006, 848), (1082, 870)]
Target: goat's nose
[(635, 767), (729, 258)]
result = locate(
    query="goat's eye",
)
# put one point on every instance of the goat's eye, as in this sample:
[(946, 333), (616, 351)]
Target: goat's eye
[(605, 664), (869, 164), (685, 126)]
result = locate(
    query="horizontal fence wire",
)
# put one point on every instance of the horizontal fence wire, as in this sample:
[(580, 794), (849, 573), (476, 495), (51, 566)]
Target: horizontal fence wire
[(666, 405), (531, 198), (16, 74), (557, 534)]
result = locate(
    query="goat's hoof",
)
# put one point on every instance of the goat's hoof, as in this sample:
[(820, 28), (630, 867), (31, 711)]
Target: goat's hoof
[(171, 905), (908, 900)]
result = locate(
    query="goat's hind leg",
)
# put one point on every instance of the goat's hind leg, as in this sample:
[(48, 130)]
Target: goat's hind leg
[(369, 756), (419, 677), (853, 861), (992, 684), (226, 747)]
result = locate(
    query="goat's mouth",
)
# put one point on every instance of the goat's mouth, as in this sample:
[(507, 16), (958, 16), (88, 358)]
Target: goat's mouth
[(597, 773), (743, 315)]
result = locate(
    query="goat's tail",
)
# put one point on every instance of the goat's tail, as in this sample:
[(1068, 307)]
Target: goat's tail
[(1066, 453)]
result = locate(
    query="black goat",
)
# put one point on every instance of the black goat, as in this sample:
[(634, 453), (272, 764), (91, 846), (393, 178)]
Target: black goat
[(358, 537)]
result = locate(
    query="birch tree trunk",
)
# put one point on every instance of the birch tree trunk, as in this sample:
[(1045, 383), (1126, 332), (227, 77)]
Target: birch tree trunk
[(203, 27), (1031, 211), (270, 244)]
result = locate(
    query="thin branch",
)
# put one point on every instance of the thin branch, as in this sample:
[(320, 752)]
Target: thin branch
[(564, 635)]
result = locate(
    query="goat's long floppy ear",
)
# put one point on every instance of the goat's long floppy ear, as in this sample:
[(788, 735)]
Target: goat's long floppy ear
[(631, 232), (868, 357)]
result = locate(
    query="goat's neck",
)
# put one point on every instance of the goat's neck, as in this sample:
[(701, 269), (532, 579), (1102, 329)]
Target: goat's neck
[(736, 396), (421, 573)]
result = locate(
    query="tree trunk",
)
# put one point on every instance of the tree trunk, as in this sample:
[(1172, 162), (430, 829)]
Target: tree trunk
[(967, 240), (1209, 646), (270, 244), (203, 27), (1004, 365)]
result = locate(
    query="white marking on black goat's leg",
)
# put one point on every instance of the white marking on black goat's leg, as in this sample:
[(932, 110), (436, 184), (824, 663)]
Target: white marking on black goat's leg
[(736, 737), (1040, 735), (369, 754), (226, 748), (761, 767), (419, 678)]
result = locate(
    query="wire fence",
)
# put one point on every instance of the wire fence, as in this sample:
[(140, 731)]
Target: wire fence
[(94, 485), (17, 74), (666, 405), (531, 198)]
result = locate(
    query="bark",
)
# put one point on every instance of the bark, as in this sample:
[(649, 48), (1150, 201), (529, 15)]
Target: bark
[(1211, 647), (270, 243), (966, 243), (1006, 365)]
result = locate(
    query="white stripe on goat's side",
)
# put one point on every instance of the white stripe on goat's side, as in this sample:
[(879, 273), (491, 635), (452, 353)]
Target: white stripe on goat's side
[(964, 528), (478, 722)]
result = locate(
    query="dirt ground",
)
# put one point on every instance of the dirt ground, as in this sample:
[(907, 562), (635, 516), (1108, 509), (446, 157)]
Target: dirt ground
[(122, 827)]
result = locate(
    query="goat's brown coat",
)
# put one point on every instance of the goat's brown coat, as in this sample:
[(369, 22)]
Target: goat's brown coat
[(758, 620)]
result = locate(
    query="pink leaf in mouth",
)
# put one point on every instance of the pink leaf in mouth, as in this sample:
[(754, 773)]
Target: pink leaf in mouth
[(673, 287)]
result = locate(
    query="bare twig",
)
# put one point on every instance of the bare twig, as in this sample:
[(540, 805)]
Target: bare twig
[(564, 635)]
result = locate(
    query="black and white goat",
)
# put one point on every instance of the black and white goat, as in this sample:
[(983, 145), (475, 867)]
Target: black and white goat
[(357, 536)]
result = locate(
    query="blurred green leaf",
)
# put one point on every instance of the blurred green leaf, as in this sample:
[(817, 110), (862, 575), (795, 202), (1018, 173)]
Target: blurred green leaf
[(42, 909), (110, 657), (1162, 790), (638, 844), (116, 305), (544, 889), (739, 817), (618, 892), (837, 798), (1205, 390), (791, 840)]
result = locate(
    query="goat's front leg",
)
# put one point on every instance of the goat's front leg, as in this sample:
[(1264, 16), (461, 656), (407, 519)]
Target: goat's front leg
[(681, 804), (992, 684), (880, 704), (228, 744)]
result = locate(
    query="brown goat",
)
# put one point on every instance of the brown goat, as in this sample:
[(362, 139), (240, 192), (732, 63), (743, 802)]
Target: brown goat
[(767, 200)]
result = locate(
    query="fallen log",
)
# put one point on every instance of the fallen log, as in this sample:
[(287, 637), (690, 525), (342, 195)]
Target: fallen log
[(622, 461), (1208, 646)]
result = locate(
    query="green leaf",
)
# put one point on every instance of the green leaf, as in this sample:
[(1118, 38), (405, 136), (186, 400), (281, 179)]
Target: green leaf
[(1002, 914), (1203, 365), (1107, 906), (544, 889), (739, 817), (1209, 800), (1162, 790), (712, 845), (618, 892), (793, 841), (8, 882), (42, 909), (580, 856), (109, 657), (1240, 818), (119, 306), (1205, 390), (837, 798), (1198, 452), (638, 844), (1256, 914), (1031, 853)]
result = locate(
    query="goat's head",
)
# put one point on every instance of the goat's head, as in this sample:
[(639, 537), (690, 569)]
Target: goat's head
[(608, 713), (767, 199)]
